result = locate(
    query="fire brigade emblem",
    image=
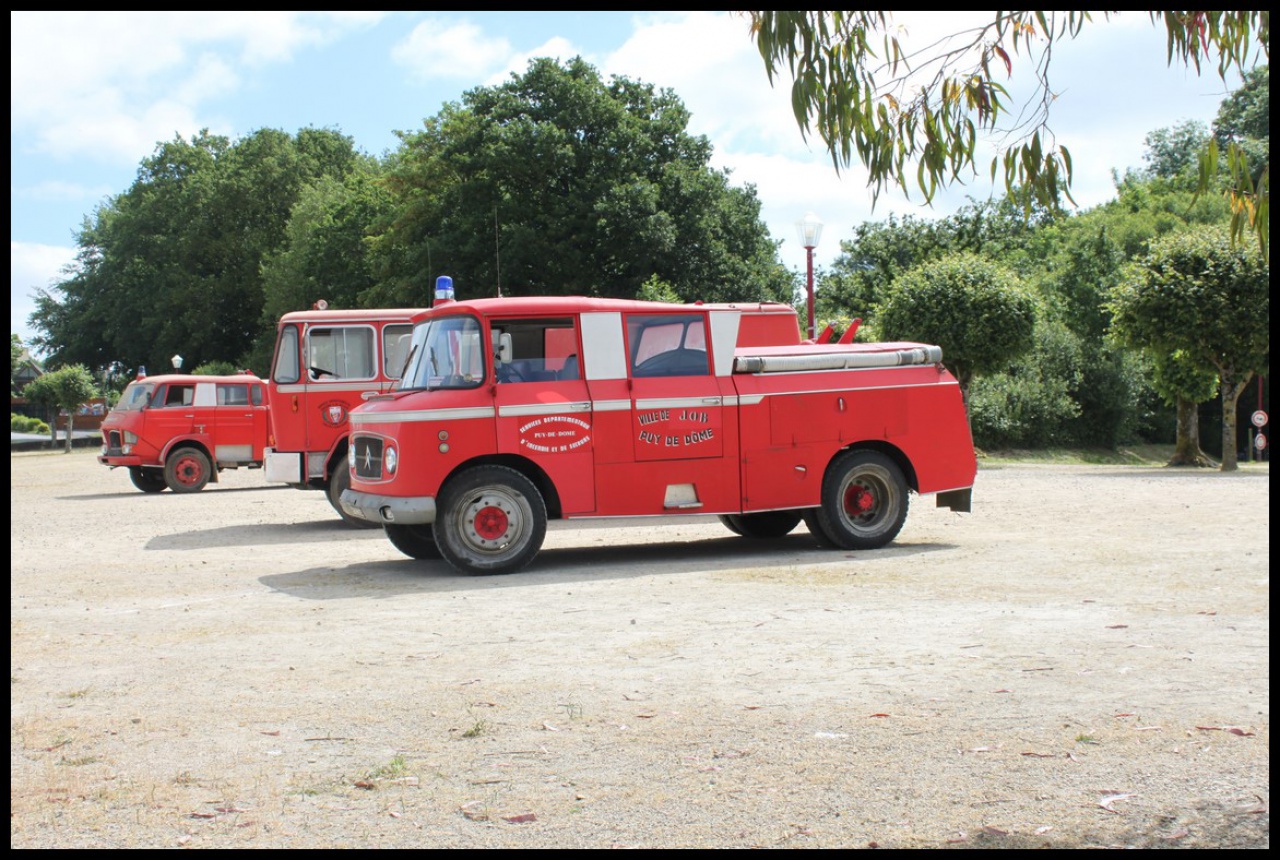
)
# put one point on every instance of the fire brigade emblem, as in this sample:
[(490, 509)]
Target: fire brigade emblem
[(334, 413)]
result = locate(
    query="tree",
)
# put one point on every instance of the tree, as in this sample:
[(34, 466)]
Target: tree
[(173, 264), (67, 388), (556, 183), (1197, 293), (851, 79), (15, 355), (977, 311)]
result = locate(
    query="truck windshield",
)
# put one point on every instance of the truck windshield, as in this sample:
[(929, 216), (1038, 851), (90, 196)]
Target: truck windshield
[(446, 353), (135, 397)]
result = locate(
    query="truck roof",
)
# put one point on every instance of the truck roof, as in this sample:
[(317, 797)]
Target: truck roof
[(535, 305), (354, 314)]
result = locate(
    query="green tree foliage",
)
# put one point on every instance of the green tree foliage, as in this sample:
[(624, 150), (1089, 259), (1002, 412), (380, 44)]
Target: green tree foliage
[(912, 117), (1197, 293), (977, 311), (67, 388), (15, 356), (558, 183), (172, 265)]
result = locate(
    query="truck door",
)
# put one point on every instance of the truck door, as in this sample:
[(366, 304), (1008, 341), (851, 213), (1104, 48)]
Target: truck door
[(241, 423), (172, 414), (678, 415)]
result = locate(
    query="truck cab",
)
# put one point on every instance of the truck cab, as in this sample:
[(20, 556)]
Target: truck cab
[(179, 431), (326, 363), (515, 411)]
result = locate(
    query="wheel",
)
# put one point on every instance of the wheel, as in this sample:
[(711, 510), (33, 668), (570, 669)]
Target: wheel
[(187, 470), (815, 528), (339, 480), (763, 525), (490, 519), (147, 480), (730, 521), (864, 501), (414, 541)]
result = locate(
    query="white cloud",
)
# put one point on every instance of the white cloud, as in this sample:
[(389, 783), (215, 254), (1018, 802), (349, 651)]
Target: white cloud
[(32, 267), (107, 85), (435, 49)]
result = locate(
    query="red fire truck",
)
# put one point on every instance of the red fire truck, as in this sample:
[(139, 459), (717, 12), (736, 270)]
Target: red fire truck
[(519, 410), (180, 431), (326, 363)]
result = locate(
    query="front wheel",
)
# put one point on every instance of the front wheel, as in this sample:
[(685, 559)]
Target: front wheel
[(764, 525), (416, 541), (187, 470), (339, 480), (147, 480), (864, 501), (491, 519)]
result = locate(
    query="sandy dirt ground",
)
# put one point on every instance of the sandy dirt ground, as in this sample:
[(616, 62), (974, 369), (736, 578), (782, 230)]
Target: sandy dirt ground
[(1083, 661)]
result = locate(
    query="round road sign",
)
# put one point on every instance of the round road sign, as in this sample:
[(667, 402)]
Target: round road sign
[(1260, 441), (1259, 419)]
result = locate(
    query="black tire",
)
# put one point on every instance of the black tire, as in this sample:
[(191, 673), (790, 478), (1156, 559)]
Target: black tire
[(418, 541), (147, 480), (765, 525), (730, 521), (864, 501), (339, 480), (490, 519), (187, 470), (815, 528)]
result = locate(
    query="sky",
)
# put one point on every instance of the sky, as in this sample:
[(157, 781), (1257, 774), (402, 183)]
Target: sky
[(93, 93)]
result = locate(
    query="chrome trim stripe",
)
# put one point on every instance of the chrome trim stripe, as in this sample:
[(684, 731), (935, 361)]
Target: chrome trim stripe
[(318, 387), (365, 418), (524, 409), (679, 402), (610, 405)]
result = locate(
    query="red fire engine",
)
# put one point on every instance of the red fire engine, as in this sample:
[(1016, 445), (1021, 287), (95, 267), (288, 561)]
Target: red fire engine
[(326, 363), (180, 431), (519, 410)]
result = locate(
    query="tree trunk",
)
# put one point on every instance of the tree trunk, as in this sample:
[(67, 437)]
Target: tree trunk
[(1186, 451), (1230, 396), (71, 417)]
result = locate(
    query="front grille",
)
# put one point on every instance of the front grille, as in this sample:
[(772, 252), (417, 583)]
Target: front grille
[(368, 457)]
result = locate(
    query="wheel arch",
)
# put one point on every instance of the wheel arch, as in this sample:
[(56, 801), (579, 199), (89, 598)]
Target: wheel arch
[(191, 442), (893, 452), (526, 467)]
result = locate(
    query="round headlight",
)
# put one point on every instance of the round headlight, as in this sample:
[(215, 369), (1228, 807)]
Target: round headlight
[(390, 459)]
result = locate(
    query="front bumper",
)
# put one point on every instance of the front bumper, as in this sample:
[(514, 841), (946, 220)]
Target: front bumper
[(118, 460), (415, 510)]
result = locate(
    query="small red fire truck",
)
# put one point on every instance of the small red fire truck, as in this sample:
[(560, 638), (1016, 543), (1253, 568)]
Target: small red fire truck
[(179, 431), (518, 410), (326, 363)]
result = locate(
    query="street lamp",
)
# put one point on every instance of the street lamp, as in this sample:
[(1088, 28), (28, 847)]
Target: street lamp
[(809, 229), (177, 362)]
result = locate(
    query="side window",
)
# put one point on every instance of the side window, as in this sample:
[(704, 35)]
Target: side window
[(233, 394), (341, 352), (395, 349), (174, 396), (285, 368), (535, 350), (667, 345), (255, 395)]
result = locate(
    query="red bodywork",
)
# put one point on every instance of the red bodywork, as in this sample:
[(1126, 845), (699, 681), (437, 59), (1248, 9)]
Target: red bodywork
[(180, 430), (327, 362), (748, 420)]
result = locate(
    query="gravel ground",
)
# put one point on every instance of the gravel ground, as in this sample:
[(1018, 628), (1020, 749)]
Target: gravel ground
[(1083, 661)]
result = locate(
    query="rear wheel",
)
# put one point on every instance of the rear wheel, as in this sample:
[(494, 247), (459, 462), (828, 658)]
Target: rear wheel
[(339, 480), (864, 501), (491, 519), (147, 480), (416, 541), (187, 470), (764, 524)]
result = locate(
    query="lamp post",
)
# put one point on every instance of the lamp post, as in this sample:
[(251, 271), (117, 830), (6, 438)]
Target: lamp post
[(809, 229)]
